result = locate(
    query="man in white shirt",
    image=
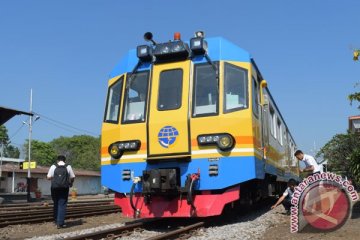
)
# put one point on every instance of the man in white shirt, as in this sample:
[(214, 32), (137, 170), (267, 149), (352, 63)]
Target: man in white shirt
[(62, 177), (285, 199), (311, 166)]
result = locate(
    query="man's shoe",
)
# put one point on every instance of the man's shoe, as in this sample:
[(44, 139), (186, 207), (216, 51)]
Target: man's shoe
[(61, 226)]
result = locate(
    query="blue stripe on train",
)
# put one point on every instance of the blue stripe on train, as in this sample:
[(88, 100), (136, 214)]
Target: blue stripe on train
[(232, 170)]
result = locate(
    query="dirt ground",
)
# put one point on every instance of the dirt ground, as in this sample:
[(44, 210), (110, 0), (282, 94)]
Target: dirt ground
[(350, 230), (41, 229)]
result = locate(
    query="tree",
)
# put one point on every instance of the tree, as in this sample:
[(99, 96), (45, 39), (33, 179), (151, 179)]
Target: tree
[(81, 151), (343, 154), (8, 150), (4, 138), (355, 166), (11, 152), (354, 96), (41, 152)]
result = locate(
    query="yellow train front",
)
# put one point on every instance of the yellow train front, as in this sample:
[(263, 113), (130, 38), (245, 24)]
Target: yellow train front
[(190, 127)]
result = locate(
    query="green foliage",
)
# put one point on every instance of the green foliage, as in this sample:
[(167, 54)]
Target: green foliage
[(355, 165), (343, 155), (41, 152), (81, 151), (355, 96), (4, 138), (9, 150)]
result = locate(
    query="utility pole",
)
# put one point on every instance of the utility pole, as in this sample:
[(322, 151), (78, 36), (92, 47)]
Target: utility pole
[(29, 150)]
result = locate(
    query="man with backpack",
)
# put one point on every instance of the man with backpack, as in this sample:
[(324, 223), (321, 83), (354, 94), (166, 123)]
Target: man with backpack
[(62, 178)]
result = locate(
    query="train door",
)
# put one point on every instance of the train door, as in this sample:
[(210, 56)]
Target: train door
[(265, 125), (168, 125)]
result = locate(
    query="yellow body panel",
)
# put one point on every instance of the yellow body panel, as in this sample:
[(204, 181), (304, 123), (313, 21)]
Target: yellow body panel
[(177, 118)]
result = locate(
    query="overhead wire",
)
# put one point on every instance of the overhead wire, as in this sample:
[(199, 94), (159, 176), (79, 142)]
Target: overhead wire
[(65, 126), (17, 131)]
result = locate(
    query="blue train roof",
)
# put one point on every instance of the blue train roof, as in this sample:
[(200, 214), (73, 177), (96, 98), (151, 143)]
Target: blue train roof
[(218, 49)]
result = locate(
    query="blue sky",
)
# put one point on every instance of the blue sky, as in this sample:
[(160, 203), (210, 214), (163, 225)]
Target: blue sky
[(65, 51)]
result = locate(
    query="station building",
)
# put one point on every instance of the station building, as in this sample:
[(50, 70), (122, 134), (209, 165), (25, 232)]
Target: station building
[(354, 124), (13, 179)]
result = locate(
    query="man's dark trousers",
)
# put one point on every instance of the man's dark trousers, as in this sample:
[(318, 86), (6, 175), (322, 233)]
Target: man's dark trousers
[(60, 199)]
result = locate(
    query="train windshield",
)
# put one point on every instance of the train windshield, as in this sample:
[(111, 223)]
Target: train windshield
[(113, 102), (236, 88), (170, 89), (136, 97), (206, 94)]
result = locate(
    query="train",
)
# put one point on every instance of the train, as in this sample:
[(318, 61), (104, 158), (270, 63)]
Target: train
[(190, 129)]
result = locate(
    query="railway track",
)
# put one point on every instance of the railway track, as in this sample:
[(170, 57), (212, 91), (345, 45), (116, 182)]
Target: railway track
[(129, 228), (113, 232), (45, 215), (181, 233), (15, 208), (35, 204)]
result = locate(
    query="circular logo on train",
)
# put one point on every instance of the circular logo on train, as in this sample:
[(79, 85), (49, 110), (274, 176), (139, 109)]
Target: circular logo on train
[(167, 136)]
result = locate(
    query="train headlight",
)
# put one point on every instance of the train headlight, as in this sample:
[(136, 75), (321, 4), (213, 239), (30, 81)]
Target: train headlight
[(198, 45), (171, 51), (118, 148), (144, 53), (223, 141), (226, 142), (115, 151)]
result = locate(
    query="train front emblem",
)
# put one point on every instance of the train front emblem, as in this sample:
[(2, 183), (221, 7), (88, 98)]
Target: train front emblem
[(167, 136)]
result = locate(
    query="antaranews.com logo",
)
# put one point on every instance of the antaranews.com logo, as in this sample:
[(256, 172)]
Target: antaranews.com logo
[(322, 201)]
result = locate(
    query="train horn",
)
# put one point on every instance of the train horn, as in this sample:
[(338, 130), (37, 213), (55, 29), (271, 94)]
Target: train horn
[(148, 36)]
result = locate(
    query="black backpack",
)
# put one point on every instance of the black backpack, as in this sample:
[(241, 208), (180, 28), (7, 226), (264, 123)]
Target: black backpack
[(61, 177)]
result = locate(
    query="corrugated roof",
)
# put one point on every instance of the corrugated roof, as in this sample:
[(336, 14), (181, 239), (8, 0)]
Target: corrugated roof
[(7, 113)]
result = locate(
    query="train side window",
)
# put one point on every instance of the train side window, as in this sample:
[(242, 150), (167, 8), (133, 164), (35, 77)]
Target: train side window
[(279, 131), (170, 90), (236, 88), (206, 94), (113, 101), (255, 97), (136, 98), (272, 119)]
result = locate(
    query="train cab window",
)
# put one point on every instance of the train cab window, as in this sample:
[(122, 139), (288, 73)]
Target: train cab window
[(170, 90), (113, 102), (206, 93), (136, 97), (236, 88), (255, 97)]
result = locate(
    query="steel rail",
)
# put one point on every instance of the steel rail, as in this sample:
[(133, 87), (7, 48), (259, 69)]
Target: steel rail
[(47, 212), (13, 205), (112, 232), (37, 208), (177, 232), (50, 218)]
